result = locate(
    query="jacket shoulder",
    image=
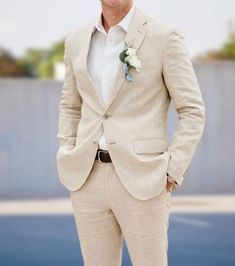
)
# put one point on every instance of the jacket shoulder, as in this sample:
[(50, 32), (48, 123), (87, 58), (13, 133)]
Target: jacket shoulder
[(162, 27)]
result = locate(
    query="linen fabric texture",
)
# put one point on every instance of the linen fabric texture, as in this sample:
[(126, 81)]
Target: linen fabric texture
[(134, 120)]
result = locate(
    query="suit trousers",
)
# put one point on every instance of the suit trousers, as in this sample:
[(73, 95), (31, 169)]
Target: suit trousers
[(105, 213)]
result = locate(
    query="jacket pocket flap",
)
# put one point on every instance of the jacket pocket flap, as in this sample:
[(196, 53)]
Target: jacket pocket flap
[(150, 145)]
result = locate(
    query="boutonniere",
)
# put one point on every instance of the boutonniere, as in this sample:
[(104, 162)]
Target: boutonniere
[(130, 60)]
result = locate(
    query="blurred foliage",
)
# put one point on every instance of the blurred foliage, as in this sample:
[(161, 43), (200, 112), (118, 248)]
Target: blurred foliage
[(39, 63), (226, 52), (9, 65)]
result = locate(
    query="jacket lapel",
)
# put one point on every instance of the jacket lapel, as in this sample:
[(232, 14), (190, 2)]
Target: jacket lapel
[(136, 32), (83, 58)]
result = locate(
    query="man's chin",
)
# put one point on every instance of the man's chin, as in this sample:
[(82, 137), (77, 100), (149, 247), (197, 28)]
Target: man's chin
[(114, 3)]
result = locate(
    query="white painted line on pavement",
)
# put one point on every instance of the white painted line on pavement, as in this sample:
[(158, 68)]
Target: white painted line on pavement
[(179, 204), (191, 221)]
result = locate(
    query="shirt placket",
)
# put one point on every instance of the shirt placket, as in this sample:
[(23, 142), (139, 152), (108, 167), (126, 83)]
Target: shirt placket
[(108, 65)]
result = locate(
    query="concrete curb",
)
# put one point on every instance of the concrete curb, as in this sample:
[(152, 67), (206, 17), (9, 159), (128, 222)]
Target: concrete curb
[(179, 204)]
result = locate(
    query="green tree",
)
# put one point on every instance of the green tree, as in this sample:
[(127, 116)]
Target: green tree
[(228, 49), (40, 62), (9, 67)]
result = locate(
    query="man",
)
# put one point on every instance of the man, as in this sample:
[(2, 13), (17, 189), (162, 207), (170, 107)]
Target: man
[(121, 71)]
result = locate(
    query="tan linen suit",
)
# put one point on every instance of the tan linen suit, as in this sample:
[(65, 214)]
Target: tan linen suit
[(135, 119)]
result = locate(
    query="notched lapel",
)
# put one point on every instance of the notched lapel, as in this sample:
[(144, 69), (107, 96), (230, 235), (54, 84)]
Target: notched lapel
[(136, 32), (83, 67)]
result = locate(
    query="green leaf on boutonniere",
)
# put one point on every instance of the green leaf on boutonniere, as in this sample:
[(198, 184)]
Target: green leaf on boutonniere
[(123, 55)]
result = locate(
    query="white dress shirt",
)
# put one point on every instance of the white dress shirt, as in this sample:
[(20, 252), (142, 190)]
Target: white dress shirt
[(103, 57)]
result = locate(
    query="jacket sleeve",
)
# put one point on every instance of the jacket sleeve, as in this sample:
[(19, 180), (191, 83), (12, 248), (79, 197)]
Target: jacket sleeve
[(184, 90), (70, 104)]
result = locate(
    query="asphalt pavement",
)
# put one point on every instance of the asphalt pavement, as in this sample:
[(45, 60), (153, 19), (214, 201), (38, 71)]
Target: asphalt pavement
[(38, 237)]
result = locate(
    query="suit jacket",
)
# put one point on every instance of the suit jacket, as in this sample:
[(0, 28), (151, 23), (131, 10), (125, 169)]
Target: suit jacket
[(135, 119)]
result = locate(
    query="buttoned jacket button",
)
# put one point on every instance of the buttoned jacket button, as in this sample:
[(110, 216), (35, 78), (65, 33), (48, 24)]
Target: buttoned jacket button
[(106, 116)]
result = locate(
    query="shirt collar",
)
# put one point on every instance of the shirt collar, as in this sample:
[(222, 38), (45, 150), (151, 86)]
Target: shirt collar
[(123, 23)]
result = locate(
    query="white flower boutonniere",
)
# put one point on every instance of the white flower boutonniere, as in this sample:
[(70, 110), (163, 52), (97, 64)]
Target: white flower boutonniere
[(130, 60)]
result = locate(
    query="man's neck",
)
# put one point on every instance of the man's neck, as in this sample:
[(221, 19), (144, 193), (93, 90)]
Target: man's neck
[(111, 16)]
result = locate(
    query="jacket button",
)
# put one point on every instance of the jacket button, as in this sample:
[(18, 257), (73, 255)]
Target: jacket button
[(107, 115), (95, 142)]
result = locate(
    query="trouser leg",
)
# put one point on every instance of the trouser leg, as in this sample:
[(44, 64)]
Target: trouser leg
[(99, 233), (144, 223)]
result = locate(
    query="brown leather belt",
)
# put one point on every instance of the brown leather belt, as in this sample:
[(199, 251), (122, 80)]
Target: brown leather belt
[(103, 156)]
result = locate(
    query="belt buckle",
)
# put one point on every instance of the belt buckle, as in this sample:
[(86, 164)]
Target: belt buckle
[(99, 156)]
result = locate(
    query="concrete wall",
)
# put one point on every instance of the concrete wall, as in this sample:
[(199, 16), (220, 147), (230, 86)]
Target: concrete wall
[(28, 143)]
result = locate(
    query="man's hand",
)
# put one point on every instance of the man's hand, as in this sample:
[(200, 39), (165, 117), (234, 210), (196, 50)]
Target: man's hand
[(171, 185)]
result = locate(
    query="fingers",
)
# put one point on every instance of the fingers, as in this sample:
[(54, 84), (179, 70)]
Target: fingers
[(170, 186)]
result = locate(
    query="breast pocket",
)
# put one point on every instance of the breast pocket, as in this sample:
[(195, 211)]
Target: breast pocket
[(150, 145)]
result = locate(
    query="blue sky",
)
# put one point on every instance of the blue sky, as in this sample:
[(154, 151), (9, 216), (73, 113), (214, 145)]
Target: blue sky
[(38, 24)]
